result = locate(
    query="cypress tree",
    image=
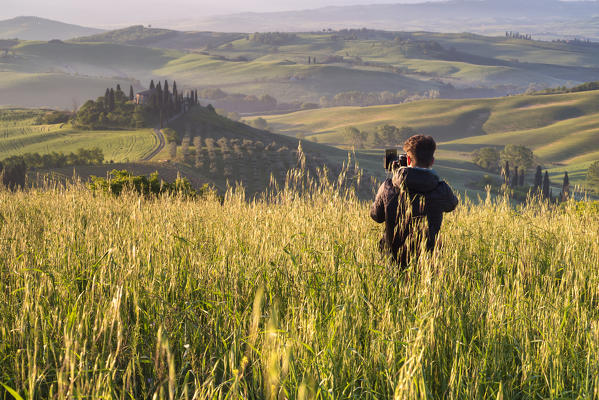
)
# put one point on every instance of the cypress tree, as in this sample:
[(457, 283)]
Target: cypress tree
[(538, 178), (111, 100), (566, 187), (196, 97), (506, 173), (515, 178), (521, 183), (152, 87), (166, 92), (131, 97), (159, 95), (546, 184), (118, 88), (176, 96), (107, 100)]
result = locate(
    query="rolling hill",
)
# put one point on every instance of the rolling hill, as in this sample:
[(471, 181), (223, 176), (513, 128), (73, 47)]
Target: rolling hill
[(295, 68), (562, 129), (211, 149), (36, 28)]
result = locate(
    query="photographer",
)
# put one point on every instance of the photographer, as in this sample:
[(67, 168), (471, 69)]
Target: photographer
[(412, 202)]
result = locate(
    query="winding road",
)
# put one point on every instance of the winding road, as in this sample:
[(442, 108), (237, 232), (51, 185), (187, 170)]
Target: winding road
[(161, 144), (161, 139)]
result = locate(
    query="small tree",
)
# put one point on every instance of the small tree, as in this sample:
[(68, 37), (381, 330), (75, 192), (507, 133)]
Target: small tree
[(538, 178), (593, 176), (565, 195), (111, 100), (260, 123), (355, 136), (131, 96), (546, 186), (487, 158), (519, 156), (152, 87), (506, 172)]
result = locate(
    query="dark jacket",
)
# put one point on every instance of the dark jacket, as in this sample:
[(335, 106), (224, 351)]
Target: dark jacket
[(411, 203)]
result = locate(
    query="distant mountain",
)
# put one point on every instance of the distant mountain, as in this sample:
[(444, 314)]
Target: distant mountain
[(481, 16), (35, 28)]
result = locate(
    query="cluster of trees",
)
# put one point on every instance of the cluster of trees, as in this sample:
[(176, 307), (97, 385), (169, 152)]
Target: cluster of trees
[(364, 99), (117, 110), (54, 117), (12, 173), (152, 185), (273, 38), (491, 159), (593, 176), (239, 102), (167, 102), (577, 42), (383, 136), (514, 161), (518, 35), (585, 87), (54, 159), (14, 169), (113, 110)]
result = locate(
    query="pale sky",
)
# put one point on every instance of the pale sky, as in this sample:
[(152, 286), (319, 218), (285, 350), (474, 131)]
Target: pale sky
[(112, 13)]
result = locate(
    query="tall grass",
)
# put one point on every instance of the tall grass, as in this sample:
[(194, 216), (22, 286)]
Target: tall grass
[(288, 297)]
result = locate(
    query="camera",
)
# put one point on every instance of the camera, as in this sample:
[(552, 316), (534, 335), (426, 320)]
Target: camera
[(393, 161)]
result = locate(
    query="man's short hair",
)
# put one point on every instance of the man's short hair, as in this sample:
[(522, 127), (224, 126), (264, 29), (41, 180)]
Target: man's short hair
[(422, 149)]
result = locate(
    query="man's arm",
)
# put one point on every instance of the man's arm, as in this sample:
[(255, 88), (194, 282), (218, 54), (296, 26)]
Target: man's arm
[(377, 210), (446, 199)]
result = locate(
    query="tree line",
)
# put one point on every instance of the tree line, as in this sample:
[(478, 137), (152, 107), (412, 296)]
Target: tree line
[(382, 136), (14, 169), (513, 163), (117, 110)]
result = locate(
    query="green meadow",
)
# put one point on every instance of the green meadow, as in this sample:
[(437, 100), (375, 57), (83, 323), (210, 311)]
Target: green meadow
[(20, 133), (562, 130)]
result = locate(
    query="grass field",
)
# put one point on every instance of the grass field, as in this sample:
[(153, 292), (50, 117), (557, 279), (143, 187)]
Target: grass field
[(131, 297), (562, 130), (20, 134)]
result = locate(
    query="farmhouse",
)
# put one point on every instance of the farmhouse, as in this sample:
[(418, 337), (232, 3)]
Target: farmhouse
[(144, 97)]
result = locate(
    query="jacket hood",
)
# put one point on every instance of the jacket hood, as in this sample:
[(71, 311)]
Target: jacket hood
[(416, 180)]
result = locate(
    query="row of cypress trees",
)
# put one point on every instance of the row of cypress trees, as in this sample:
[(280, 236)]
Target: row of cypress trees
[(542, 183)]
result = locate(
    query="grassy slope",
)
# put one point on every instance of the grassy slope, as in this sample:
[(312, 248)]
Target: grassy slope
[(60, 73), (563, 130), (240, 162), (246, 163), (19, 134)]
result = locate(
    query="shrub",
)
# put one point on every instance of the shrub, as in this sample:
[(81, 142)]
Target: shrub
[(120, 180)]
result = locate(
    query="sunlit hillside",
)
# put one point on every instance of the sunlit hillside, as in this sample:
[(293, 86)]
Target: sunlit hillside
[(562, 129)]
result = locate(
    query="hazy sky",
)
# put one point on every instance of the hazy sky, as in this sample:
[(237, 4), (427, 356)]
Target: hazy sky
[(110, 13)]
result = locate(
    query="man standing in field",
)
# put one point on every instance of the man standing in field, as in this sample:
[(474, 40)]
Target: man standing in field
[(412, 202)]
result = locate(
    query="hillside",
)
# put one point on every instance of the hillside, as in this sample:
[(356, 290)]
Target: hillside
[(139, 35), (563, 129), (20, 133), (210, 149), (64, 74), (380, 67), (36, 28)]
